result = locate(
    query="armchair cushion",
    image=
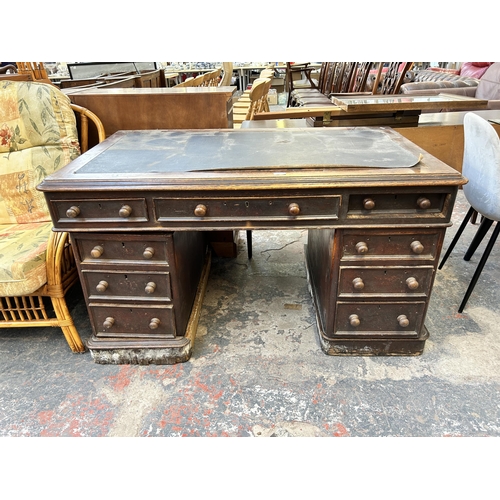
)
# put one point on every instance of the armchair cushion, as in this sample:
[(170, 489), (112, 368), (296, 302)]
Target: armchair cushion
[(22, 257), (38, 135)]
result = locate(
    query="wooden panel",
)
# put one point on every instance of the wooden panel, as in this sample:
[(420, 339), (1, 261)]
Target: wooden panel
[(442, 134), (159, 108)]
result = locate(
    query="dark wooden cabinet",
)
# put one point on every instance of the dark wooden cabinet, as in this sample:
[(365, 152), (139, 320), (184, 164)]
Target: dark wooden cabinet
[(138, 205)]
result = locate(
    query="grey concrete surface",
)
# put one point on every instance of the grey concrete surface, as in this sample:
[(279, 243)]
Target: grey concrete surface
[(258, 369)]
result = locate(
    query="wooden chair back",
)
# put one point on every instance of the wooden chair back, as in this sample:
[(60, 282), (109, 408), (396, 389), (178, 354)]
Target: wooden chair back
[(393, 78), (227, 74), (258, 97), (150, 79), (35, 69)]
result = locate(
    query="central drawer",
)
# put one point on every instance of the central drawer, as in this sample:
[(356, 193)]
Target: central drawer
[(248, 208)]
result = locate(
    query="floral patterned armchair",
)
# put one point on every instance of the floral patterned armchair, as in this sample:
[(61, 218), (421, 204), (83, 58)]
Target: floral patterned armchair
[(38, 135)]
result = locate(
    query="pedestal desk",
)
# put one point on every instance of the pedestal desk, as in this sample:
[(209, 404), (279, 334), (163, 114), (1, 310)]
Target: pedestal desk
[(138, 207)]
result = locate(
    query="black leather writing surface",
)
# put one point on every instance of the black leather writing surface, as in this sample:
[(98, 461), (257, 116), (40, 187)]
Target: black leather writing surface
[(187, 151)]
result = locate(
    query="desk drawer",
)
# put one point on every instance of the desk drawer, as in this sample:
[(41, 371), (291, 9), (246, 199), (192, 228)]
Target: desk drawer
[(397, 205), (399, 319), (150, 286), (131, 321), (124, 211), (385, 281), (247, 208), (116, 249), (357, 246)]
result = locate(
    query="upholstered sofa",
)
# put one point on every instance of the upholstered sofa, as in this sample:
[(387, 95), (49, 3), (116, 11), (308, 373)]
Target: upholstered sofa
[(429, 82)]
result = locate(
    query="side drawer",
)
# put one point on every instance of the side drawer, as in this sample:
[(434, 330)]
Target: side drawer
[(247, 208), (423, 245), (97, 248), (402, 205), (386, 319), (150, 286), (125, 210), (130, 321), (385, 281)]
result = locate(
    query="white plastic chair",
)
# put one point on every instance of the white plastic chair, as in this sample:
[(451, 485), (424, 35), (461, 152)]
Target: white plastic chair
[(481, 166)]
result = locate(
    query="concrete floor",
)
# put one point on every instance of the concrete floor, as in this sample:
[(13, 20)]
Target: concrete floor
[(258, 370)]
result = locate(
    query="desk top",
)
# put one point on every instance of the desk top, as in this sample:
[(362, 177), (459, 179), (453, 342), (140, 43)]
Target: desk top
[(252, 159)]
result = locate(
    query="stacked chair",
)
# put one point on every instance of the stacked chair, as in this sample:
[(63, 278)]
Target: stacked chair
[(36, 70), (355, 78), (209, 79), (307, 82), (253, 100), (39, 135)]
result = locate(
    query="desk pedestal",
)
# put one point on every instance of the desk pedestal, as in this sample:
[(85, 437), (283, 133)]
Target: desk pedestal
[(144, 294)]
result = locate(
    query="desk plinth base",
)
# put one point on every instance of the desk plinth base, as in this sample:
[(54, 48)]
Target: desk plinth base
[(374, 347), (166, 352)]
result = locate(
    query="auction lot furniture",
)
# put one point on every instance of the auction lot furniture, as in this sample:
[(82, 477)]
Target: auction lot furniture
[(376, 110), (376, 207), (159, 108)]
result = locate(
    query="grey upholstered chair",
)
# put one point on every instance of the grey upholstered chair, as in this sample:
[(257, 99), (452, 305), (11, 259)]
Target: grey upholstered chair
[(481, 166)]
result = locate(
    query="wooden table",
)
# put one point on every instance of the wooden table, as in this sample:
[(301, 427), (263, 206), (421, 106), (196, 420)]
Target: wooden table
[(137, 205), (376, 110)]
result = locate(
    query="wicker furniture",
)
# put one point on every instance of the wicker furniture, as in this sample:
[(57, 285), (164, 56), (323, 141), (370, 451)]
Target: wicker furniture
[(38, 135)]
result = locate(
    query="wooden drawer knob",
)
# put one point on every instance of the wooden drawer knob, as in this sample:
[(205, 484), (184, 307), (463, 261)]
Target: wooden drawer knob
[(154, 323), (354, 320), (148, 253), (108, 322), (417, 247), (97, 251), (368, 204), (423, 203), (102, 286), (412, 283), (150, 287), (361, 247), (125, 211), (200, 210), (73, 212), (358, 284), (403, 321), (293, 209)]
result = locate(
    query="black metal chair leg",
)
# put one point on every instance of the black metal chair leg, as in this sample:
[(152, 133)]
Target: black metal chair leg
[(249, 243), (479, 236), (456, 237), (482, 262)]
